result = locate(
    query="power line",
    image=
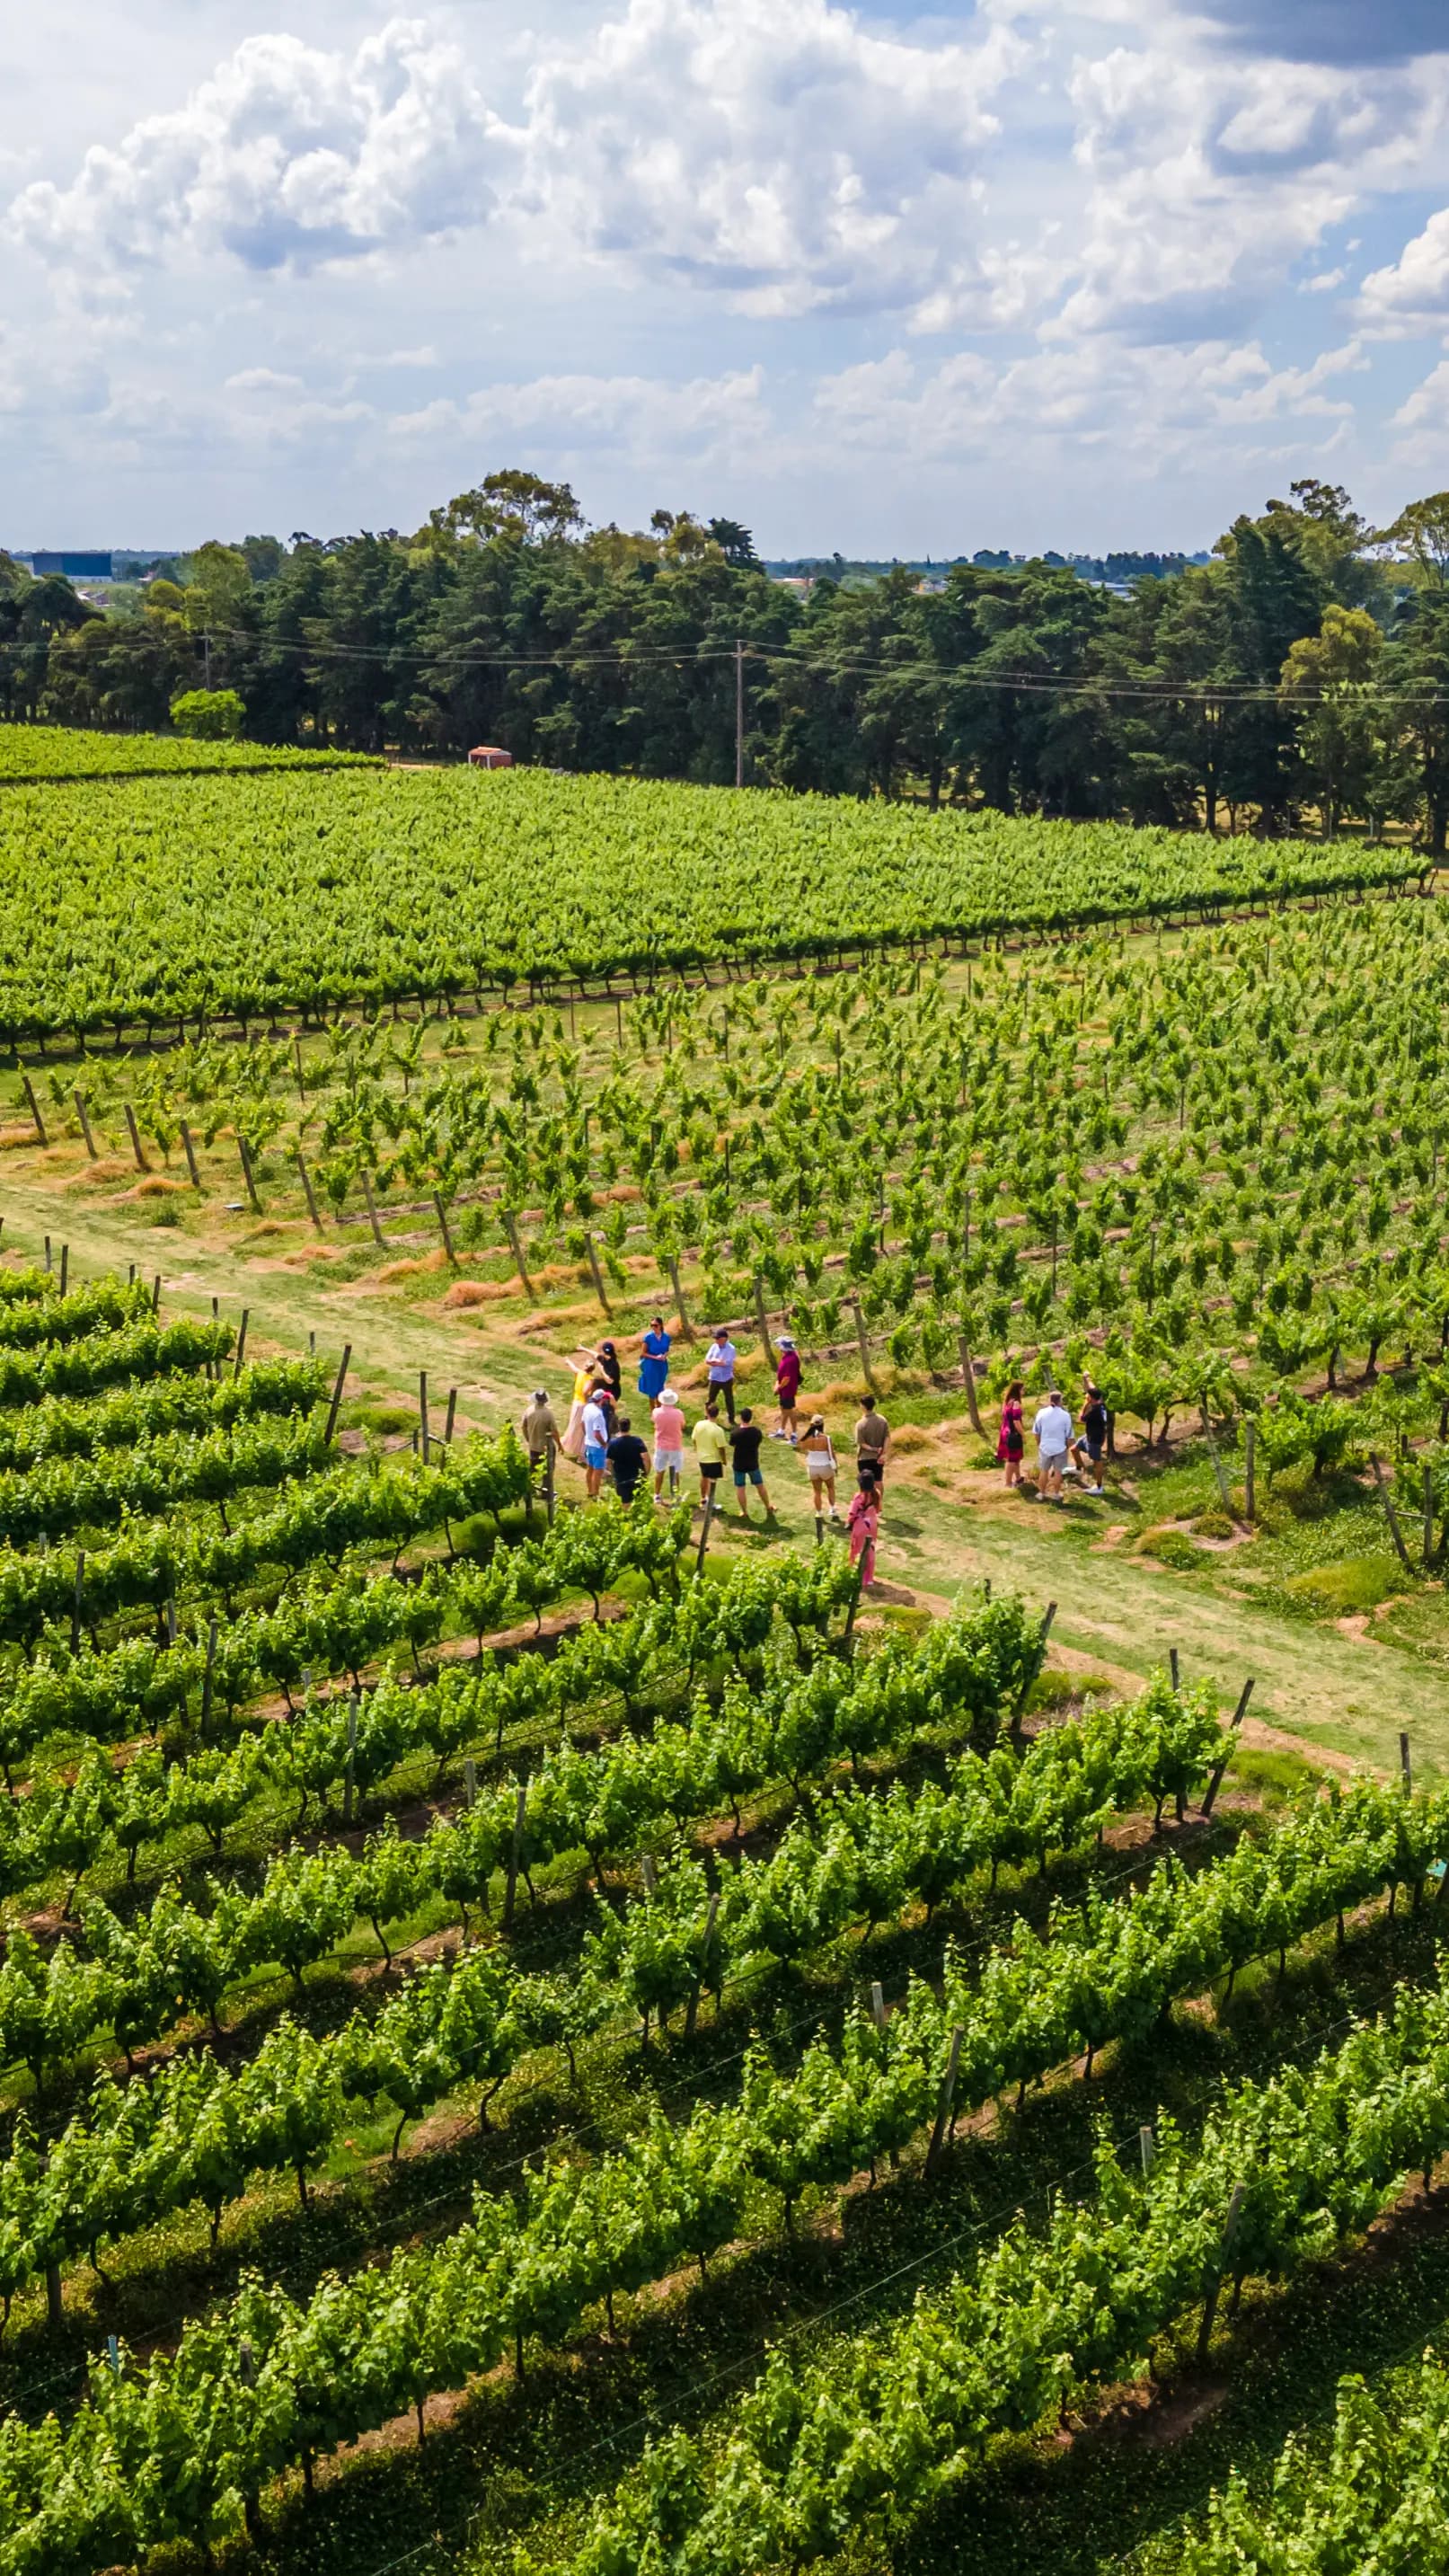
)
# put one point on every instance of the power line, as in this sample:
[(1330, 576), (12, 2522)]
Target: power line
[(1205, 694)]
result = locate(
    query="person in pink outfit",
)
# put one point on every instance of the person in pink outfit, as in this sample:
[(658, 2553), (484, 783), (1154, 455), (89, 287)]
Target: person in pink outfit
[(863, 1519)]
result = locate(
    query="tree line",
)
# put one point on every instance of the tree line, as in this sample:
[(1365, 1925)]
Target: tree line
[(1299, 679)]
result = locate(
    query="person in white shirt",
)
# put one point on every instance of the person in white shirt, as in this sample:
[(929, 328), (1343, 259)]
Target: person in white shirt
[(719, 1361), (596, 1444), (1053, 1430)]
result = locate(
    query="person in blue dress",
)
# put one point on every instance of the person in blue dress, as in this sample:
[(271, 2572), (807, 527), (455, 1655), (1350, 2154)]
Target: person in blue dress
[(654, 1360)]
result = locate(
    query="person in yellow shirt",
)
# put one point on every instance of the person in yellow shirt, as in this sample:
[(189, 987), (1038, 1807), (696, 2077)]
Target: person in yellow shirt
[(711, 1448)]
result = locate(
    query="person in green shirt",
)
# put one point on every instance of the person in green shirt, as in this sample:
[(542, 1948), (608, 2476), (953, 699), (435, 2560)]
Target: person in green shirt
[(711, 1448)]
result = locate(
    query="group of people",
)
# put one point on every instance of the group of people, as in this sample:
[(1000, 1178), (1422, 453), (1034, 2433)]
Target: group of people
[(600, 1436), (1063, 1448)]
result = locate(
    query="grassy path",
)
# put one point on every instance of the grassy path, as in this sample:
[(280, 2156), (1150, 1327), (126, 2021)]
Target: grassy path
[(1350, 1695), (391, 1341)]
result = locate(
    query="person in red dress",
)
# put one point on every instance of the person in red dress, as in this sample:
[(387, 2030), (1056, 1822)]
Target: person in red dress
[(1011, 1441)]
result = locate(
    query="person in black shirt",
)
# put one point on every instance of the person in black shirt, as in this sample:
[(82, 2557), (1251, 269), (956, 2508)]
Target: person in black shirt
[(746, 1441), (626, 1454), (1090, 1448), (606, 1366)]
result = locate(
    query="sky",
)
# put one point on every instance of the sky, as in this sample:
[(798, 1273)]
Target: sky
[(1020, 275)]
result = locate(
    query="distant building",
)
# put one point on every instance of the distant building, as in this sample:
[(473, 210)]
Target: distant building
[(76, 567)]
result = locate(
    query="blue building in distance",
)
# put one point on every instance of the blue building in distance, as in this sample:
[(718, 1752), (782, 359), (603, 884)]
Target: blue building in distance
[(76, 567)]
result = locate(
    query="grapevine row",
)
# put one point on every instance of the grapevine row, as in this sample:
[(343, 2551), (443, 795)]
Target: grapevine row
[(92, 1360), (69, 1825), (331, 1514), (163, 2452), (1379, 2500), (879, 2432), (197, 2132), (178, 1959), (324, 1626), (62, 1427)]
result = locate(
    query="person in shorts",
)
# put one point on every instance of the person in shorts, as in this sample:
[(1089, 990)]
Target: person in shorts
[(626, 1455), (668, 1443), (596, 1445), (872, 1438), (820, 1466), (746, 1441), (1052, 1431), (710, 1442), (787, 1390), (1090, 1447)]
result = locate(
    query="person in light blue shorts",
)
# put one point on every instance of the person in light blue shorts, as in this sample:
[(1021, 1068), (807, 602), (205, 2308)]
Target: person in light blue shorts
[(596, 1445)]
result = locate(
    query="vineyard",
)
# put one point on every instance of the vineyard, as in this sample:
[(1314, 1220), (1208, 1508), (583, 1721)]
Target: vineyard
[(65, 752), (556, 2036), (213, 898), (1213, 1173), (401, 1998)]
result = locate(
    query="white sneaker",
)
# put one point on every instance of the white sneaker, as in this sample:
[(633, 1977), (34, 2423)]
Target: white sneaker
[(1071, 1471), (779, 1435), (1096, 1489)]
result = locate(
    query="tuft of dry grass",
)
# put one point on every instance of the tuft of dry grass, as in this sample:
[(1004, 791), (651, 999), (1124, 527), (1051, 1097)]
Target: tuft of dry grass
[(479, 1292), (423, 1267), (546, 1318), (910, 1436)]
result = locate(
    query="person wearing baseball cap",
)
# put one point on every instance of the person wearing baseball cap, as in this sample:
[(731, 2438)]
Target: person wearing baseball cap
[(539, 1430), (787, 1390)]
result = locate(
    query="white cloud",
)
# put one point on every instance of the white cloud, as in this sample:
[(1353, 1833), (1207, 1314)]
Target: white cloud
[(1155, 405), (1211, 178), (1428, 404), (285, 157), (716, 230), (779, 154), (644, 416), (261, 380), (1415, 288)]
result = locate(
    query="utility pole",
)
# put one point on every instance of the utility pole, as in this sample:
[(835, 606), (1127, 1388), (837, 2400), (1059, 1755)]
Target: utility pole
[(739, 711)]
